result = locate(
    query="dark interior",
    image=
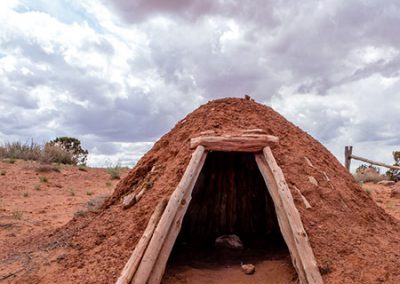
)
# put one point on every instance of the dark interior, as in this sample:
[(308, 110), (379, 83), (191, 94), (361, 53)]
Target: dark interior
[(230, 197)]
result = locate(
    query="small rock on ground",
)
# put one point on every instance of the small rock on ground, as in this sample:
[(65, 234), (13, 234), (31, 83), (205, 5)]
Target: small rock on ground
[(229, 241), (248, 268)]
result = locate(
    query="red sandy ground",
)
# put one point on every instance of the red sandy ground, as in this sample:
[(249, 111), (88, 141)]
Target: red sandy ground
[(381, 195), (29, 207), (272, 271), (66, 193), (353, 239)]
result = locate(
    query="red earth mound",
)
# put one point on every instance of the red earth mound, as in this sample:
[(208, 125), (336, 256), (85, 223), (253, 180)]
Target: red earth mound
[(354, 241)]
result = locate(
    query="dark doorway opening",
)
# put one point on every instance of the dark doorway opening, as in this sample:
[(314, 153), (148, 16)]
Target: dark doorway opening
[(229, 197)]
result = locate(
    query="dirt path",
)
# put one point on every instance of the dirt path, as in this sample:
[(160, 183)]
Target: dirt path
[(277, 271)]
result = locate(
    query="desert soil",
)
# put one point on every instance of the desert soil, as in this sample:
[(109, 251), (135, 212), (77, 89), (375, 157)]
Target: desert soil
[(37, 199), (278, 271), (381, 195)]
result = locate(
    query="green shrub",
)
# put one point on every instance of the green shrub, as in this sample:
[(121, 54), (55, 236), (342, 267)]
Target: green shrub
[(73, 147), (63, 150), (114, 172), (82, 168), (37, 187), (80, 213), (95, 203), (55, 154), (17, 150), (9, 160), (394, 174), (71, 191), (46, 168), (3, 173), (368, 174), (17, 214), (43, 179)]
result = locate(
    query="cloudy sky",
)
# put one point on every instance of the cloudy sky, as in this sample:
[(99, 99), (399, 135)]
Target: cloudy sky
[(117, 74)]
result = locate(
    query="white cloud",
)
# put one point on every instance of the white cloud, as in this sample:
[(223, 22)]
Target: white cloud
[(105, 70)]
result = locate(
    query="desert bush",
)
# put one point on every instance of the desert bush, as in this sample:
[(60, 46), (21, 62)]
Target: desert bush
[(95, 203), (80, 213), (71, 191), (114, 172), (18, 150), (82, 168), (72, 146), (46, 168), (63, 150), (43, 179), (55, 154), (366, 173), (326, 267), (392, 173), (10, 161), (17, 214)]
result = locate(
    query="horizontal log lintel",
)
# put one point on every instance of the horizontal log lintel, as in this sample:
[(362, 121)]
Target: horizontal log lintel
[(234, 143)]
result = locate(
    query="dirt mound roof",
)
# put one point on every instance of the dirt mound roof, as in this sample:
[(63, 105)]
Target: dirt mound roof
[(354, 241)]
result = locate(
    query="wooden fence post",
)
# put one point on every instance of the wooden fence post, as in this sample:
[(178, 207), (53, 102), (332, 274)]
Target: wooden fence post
[(348, 151)]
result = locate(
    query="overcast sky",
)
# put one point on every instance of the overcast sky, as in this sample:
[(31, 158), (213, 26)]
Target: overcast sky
[(119, 74)]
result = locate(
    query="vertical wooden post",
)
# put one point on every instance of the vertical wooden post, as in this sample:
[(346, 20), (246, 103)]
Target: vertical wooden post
[(133, 262), (161, 232), (348, 151), (289, 219)]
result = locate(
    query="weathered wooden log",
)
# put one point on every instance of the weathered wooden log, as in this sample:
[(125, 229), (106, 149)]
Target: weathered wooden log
[(161, 262), (161, 232), (136, 256), (348, 150), (289, 219), (374, 163), (234, 143)]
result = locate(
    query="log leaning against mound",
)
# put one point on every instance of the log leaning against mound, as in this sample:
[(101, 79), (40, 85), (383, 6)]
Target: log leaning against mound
[(148, 261)]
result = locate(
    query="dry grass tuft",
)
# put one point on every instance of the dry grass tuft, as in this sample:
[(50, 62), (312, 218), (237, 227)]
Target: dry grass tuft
[(369, 174), (49, 153)]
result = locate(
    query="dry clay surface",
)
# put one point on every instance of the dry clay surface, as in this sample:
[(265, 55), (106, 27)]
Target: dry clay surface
[(37, 199)]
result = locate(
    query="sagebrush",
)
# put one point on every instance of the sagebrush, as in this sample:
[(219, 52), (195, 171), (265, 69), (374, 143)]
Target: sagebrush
[(63, 150)]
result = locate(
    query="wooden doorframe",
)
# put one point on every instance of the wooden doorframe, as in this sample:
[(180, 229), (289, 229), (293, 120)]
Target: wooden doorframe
[(289, 219), (154, 256)]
